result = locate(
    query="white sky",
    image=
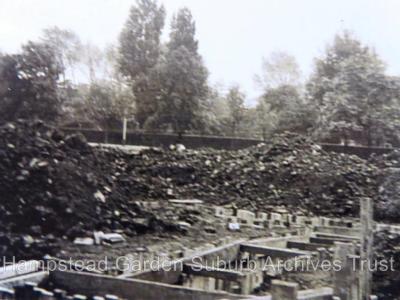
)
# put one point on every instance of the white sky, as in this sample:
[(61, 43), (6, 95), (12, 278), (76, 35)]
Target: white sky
[(234, 35)]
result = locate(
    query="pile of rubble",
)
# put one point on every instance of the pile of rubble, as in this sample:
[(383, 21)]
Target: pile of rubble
[(290, 171), (54, 186)]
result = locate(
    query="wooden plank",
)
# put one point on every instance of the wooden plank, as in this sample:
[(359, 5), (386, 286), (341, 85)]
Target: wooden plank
[(272, 251), (306, 246), (131, 289), (352, 231), (328, 241), (334, 236), (18, 269), (36, 277), (206, 271)]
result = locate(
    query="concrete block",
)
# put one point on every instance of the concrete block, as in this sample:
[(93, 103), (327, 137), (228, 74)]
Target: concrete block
[(301, 220), (113, 238), (325, 221), (262, 216), (84, 241), (315, 221), (245, 217), (275, 217), (219, 211)]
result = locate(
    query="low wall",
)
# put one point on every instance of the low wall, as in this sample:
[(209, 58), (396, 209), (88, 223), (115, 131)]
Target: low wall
[(164, 140), (200, 141), (228, 252), (131, 289)]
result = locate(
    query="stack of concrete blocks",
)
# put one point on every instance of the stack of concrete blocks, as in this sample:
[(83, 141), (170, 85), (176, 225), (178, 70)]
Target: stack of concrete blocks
[(275, 220), (204, 283), (324, 221), (260, 220), (245, 217), (226, 214)]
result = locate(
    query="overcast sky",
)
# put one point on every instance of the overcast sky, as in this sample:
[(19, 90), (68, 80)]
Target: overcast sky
[(234, 35)]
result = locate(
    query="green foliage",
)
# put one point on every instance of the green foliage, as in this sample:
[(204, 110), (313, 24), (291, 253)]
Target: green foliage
[(236, 109), (282, 107), (66, 46), (183, 80), (279, 69), (140, 50), (107, 103), (353, 96), (29, 84)]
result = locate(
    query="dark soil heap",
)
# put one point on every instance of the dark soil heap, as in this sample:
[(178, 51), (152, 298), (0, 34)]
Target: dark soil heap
[(290, 171), (56, 184), (51, 183)]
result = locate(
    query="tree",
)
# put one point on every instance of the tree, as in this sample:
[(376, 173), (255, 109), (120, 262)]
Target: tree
[(283, 109), (235, 101), (282, 106), (279, 69), (66, 46), (30, 82), (351, 92), (183, 78), (140, 50), (265, 119), (107, 103)]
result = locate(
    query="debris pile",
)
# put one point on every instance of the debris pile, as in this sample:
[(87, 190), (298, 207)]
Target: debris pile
[(53, 185), (290, 171)]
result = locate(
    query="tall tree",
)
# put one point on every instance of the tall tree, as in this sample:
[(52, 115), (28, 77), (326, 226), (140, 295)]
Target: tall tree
[(351, 92), (183, 78), (30, 82), (107, 103), (281, 107), (140, 50), (235, 101), (66, 46), (279, 69)]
